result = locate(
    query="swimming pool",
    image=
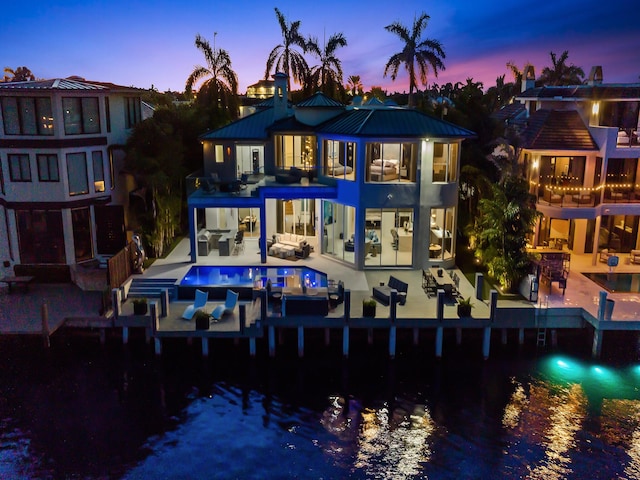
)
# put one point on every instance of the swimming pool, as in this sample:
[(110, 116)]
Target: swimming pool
[(616, 282), (217, 279)]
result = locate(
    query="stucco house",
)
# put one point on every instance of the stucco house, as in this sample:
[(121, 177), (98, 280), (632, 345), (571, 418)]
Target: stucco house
[(581, 152), (371, 186), (62, 197)]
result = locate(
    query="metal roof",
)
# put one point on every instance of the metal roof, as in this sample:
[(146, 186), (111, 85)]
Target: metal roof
[(611, 91), (391, 122), (319, 100), (252, 127), (63, 84), (558, 130)]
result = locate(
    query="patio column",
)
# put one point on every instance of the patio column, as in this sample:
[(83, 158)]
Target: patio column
[(193, 235)]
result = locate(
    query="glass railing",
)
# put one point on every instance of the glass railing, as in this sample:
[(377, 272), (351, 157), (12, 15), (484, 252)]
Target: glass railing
[(628, 137)]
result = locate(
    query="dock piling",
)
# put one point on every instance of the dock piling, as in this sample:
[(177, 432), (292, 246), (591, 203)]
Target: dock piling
[(486, 342), (392, 341), (300, 341), (345, 341), (272, 340), (45, 325), (439, 336)]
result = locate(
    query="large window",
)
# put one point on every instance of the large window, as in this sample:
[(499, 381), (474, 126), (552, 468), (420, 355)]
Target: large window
[(441, 245), (340, 159), (388, 237), (250, 159), (40, 236), (77, 172), (391, 162), (132, 111), (27, 115), (295, 151), (19, 167), (98, 171), (81, 115), (445, 160), (339, 230), (48, 167), (81, 222)]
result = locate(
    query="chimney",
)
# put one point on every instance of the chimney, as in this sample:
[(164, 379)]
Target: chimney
[(595, 76), (280, 99), (528, 78)]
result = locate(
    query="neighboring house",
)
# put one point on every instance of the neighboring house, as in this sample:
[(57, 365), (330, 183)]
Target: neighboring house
[(581, 153), (62, 198), (382, 186)]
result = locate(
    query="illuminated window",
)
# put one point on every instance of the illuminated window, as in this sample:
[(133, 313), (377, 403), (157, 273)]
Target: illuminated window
[(27, 115), (98, 171), (81, 115), (77, 173), (445, 160)]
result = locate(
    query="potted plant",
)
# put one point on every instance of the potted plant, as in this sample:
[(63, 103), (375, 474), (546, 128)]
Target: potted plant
[(464, 307), (140, 306), (202, 319), (368, 307)]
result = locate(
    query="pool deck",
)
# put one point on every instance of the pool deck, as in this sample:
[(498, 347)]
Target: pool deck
[(21, 312)]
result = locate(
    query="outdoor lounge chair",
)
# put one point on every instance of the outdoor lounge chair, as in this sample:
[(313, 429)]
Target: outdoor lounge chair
[(199, 302), (228, 307)]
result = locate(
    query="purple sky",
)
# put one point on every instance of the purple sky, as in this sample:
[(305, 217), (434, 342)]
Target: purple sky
[(143, 43)]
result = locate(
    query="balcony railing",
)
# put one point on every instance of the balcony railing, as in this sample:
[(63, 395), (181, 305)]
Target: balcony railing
[(574, 196), (628, 137)]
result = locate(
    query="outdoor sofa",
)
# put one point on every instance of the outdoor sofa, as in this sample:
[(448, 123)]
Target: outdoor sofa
[(382, 293)]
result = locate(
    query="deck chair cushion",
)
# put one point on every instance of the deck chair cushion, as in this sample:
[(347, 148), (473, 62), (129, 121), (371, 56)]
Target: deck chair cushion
[(199, 302)]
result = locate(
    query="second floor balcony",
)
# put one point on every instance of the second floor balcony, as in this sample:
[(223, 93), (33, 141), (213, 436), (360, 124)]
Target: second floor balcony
[(580, 197)]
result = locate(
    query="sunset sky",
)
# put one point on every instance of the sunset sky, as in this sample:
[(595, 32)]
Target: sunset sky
[(152, 43)]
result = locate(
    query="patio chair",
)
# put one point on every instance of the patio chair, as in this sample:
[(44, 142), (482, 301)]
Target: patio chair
[(199, 302), (228, 307)]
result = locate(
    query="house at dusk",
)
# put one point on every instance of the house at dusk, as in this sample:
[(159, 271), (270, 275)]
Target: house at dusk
[(581, 152), (369, 185), (63, 197)]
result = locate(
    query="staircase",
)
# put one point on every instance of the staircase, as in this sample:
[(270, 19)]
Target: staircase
[(153, 287)]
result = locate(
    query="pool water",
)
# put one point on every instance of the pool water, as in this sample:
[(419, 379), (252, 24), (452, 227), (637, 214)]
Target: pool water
[(616, 282), (239, 276)]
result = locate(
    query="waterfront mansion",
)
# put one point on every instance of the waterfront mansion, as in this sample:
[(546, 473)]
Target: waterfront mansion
[(369, 184)]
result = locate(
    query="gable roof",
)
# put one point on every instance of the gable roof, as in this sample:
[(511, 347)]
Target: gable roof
[(391, 122), (509, 112), (558, 130)]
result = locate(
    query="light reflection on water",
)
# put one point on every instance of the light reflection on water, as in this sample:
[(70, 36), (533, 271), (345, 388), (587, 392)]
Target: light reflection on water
[(552, 419)]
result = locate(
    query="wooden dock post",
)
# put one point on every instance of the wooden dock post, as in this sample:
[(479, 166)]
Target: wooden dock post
[(345, 341), (125, 335), (486, 342), (521, 336), (300, 341), (596, 348), (439, 335), (157, 344), (205, 347), (272, 340), (45, 325), (392, 341), (252, 347)]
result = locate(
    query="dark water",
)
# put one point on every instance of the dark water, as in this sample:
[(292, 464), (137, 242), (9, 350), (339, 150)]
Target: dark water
[(85, 411)]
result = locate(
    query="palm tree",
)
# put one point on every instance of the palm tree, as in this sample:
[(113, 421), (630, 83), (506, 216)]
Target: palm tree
[(427, 53), (560, 73), (355, 85), (327, 75), (284, 58), (20, 74), (222, 84)]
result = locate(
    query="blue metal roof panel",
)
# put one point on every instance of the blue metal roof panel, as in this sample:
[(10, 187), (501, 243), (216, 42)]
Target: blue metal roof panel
[(252, 127), (319, 99), (392, 122)]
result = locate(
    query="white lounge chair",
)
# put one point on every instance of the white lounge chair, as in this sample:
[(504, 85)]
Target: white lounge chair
[(199, 302), (228, 307)]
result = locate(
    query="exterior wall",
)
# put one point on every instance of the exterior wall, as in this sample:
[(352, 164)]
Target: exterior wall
[(55, 195)]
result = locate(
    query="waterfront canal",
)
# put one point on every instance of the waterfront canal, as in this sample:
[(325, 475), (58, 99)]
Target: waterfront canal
[(81, 410)]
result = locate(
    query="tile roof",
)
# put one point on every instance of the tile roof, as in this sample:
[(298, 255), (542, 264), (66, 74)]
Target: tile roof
[(391, 122), (611, 91), (558, 130), (509, 112)]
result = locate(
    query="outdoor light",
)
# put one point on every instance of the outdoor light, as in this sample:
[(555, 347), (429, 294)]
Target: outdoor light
[(595, 108), (535, 164)]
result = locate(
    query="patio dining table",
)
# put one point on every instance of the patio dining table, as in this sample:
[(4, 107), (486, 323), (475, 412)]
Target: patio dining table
[(443, 279)]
